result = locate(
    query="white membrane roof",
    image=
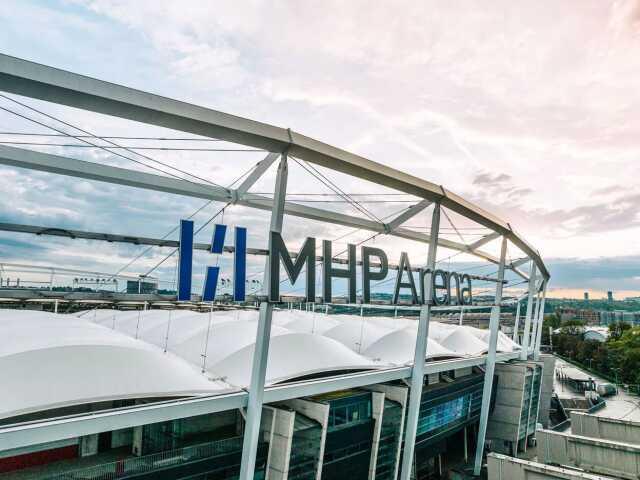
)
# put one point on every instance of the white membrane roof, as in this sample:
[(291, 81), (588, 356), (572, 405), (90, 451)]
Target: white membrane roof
[(54, 360)]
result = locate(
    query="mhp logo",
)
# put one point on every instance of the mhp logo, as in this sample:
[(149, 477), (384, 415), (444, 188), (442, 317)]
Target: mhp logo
[(185, 262)]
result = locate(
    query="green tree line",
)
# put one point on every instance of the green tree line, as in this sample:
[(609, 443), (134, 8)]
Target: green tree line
[(616, 358)]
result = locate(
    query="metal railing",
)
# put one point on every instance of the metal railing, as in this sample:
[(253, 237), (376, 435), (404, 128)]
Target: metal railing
[(156, 461)]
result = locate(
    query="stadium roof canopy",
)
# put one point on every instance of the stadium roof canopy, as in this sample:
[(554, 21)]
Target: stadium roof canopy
[(49, 361)]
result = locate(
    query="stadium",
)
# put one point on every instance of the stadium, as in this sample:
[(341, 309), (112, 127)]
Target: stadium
[(363, 381)]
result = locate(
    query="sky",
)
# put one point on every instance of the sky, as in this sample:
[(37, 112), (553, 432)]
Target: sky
[(528, 109)]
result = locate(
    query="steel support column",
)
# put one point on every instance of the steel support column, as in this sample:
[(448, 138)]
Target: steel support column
[(516, 324), (527, 321), (535, 321), (420, 354), (263, 336), (494, 328), (536, 348)]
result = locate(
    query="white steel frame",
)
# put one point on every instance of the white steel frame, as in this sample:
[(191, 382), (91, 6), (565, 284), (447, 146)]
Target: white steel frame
[(50, 84)]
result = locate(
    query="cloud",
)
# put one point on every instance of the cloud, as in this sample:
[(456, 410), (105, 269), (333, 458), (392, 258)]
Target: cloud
[(491, 180), (533, 118), (606, 273)]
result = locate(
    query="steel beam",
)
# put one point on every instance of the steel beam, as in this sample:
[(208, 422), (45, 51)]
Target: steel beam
[(484, 240), (516, 325), (32, 433), (256, 174), (520, 261), (527, 320), (417, 372), (536, 348), (494, 329), (535, 321), (45, 162), (263, 337), (162, 242), (411, 212)]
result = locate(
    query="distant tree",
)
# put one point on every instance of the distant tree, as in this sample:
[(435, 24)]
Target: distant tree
[(552, 322), (617, 329), (586, 351)]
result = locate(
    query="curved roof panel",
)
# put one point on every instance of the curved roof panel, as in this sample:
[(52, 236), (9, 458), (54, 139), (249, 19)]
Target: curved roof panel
[(315, 323), (225, 339), (464, 342), (505, 344), (357, 334), (398, 346), (51, 360), (293, 355)]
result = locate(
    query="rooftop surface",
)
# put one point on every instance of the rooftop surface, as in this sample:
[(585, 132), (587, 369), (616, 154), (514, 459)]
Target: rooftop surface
[(624, 405)]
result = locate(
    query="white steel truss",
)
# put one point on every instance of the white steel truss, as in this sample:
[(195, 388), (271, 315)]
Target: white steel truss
[(50, 84)]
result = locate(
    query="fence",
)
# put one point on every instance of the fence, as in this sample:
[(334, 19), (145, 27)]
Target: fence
[(156, 461)]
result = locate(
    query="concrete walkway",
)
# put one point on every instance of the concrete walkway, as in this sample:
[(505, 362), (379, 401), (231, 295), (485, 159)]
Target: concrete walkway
[(624, 405)]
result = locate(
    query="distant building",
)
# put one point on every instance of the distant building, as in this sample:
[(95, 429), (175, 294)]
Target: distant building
[(586, 315), (610, 296), (632, 318), (599, 334), (586, 296), (138, 286)]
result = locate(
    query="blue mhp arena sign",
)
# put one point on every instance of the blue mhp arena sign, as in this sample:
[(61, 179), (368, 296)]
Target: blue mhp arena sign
[(185, 263), (448, 288)]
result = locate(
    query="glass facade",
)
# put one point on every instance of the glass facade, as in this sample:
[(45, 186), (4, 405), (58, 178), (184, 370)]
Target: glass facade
[(305, 449), (347, 452), (204, 447), (389, 440), (531, 401), (446, 408)]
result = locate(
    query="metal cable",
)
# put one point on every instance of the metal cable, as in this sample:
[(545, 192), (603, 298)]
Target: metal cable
[(134, 148), (147, 250), (112, 137), (323, 179), (97, 146)]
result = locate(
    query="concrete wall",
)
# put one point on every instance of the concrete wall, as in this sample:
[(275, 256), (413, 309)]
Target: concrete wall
[(315, 411), (400, 395), (548, 372), (136, 444), (502, 467), (121, 438), (377, 410), (280, 432), (588, 425), (88, 445), (590, 454), (505, 420), (462, 372), (504, 423)]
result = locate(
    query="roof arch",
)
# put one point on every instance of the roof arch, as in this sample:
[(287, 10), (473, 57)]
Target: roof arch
[(293, 355), (49, 361), (398, 346)]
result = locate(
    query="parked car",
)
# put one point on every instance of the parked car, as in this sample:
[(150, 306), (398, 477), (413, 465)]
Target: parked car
[(606, 389)]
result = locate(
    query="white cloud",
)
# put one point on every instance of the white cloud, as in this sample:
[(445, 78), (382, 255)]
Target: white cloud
[(545, 92)]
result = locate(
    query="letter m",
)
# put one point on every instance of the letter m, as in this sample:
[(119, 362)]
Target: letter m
[(307, 255)]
